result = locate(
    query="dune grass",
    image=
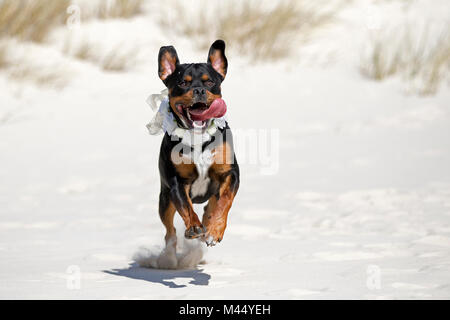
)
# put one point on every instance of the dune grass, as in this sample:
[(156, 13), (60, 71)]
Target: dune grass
[(3, 55), (18, 68), (420, 57), (118, 9), (31, 20), (41, 78), (116, 58), (251, 28)]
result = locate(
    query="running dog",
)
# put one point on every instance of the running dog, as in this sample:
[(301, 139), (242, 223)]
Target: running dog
[(203, 172)]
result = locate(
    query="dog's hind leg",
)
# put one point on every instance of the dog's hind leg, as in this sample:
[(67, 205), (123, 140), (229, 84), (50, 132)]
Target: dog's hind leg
[(168, 259), (166, 213)]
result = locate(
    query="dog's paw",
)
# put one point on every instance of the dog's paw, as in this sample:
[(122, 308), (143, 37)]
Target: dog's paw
[(195, 232), (210, 240), (214, 234)]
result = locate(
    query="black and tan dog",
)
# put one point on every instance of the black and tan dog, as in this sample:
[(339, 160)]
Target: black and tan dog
[(193, 89)]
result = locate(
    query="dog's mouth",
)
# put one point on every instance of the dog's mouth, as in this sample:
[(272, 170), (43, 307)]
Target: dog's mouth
[(197, 115), (197, 112), (192, 115)]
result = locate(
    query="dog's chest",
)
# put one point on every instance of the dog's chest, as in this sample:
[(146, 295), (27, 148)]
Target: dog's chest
[(202, 163)]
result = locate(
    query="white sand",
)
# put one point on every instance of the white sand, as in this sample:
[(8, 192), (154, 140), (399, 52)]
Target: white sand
[(359, 206)]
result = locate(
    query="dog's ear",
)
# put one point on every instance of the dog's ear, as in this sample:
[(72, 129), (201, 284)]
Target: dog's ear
[(167, 62), (217, 59)]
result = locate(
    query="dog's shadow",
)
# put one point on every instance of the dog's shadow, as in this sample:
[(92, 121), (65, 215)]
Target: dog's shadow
[(162, 276)]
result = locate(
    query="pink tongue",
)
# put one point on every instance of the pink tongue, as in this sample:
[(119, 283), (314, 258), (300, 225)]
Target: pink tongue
[(216, 110)]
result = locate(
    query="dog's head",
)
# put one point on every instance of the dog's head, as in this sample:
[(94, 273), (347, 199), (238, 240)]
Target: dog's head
[(193, 87)]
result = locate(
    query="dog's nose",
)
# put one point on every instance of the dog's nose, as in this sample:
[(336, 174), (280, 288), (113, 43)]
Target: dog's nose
[(199, 91), (199, 94)]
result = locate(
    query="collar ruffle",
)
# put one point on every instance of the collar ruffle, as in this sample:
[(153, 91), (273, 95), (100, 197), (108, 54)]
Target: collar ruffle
[(164, 121)]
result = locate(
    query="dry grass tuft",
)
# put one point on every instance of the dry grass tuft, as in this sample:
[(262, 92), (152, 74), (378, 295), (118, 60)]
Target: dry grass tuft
[(42, 78), (421, 58), (251, 28), (116, 59), (119, 9), (3, 55), (84, 51), (31, 20), (17, 67)]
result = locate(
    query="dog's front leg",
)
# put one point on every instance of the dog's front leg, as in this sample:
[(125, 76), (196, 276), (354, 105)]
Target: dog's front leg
[(216, 212), (179, 194)]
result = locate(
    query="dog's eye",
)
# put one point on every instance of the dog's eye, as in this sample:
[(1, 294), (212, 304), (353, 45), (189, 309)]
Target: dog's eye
[(184, 84), (209, 83)]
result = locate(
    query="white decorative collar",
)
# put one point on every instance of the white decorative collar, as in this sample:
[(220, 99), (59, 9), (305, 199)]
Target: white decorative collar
[(164, 121)]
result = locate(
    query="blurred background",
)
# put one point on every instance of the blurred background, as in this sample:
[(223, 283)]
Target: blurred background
[(357, 91)]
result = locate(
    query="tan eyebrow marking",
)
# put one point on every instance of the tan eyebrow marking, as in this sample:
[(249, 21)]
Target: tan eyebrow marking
[(188, 78), (205, 77)]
